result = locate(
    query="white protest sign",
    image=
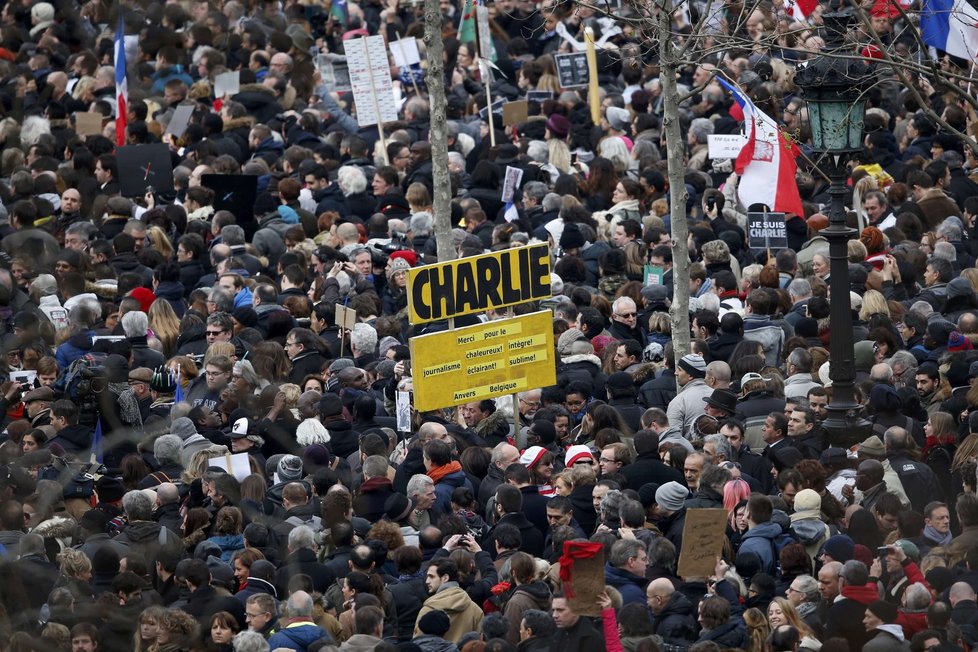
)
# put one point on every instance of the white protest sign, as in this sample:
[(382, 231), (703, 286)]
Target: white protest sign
[(227, 84), (370, 79), (725, 145), (485, 36), (405, 52), (512, 182), (237, 465), (404, 412)]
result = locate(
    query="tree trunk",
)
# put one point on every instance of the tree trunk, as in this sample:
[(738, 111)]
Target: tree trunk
[(435, 80), (676, 147)]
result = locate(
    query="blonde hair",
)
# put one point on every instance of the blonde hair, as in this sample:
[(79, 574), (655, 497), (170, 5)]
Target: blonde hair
[(218, 348), (74, 563), (292, 393), (874, 303), (792, 617), (559, 155), (199, 462), (160, 241), (857, 251), (165, 325), (967, 449)]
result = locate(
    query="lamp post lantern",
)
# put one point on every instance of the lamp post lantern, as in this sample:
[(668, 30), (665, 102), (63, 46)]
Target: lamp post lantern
[(832, 87)]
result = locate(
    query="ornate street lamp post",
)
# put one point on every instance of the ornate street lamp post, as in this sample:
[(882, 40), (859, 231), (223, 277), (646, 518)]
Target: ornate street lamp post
[(833, 87)]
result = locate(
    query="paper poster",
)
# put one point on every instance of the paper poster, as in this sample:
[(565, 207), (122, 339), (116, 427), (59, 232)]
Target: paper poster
[(237, 465), (572, 70), (511, 183), (227, 84), (335, 73), (702, 541), (497, 109), (88, 123), (539, 96), (485, 35), (27, 377), (142, 167), (370, 79), (405, 52), (404, 411), (181, 118), (654, 275), (725, 145)]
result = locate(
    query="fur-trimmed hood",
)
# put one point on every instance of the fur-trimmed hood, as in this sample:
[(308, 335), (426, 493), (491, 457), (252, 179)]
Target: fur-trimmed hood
[(57, 527), (237, 123), (644, 371), (256, 88), (582, 357), (491, 424)]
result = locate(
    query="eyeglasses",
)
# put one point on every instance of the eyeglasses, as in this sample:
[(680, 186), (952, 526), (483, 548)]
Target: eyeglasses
[(248, 615), (792, 589), (214, 333), (213, 374), (627, 315), (608, 461), (530, 403)]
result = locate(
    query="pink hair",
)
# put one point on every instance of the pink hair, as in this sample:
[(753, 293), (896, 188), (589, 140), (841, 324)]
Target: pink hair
[(734, 491)]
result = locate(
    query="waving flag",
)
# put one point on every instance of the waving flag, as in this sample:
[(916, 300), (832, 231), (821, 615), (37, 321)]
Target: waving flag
[(178, 393), (951, 26), (766, 164), (121, 84), (800, 9), (97, 442)]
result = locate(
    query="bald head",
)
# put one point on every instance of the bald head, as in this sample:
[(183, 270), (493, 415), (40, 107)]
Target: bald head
[(661, 587), (873, 471), (429, 431), (960, 591), (300, 605), (167, 493)]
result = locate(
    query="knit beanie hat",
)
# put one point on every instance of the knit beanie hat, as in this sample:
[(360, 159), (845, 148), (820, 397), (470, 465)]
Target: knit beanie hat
[(573, 342), (183, 428), (694, 365), (246, 316), (671, 496), (883, 610), (839, 548), (571, 238), (958, 342), (397, 265), (289, 468), (577, 453), (434, 623)]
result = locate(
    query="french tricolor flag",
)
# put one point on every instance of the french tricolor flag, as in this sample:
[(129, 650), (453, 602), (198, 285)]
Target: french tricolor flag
[(766, 164), (951, 26), (121, 84)]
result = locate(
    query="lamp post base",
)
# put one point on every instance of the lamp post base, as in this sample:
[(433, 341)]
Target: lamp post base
[(845, 426)]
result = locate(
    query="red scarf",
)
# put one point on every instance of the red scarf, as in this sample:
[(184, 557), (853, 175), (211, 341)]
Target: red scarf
[(439, 472), (932, 442)]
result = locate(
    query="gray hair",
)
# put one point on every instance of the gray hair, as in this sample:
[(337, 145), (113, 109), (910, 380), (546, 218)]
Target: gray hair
[(949, 230), (422, 223), (946, 251), (723, 448), (854, 572), (135, 323), (610, 504), (417, 484), (364, 338), (624, 550), (906, 358), (701, 128), (922, 309), (800, 287), (808, 586), (301, 537), (456, 158), (222, 299), (232, 235), (249, 641), (300, 604), (31, 544), (552, 201), (535, 189), (881, 373), (168, 448), (538, 151), (715, 477), (351, 180), (917, 596), (375, 466), (84, 229), (247, 372), (137, 505)]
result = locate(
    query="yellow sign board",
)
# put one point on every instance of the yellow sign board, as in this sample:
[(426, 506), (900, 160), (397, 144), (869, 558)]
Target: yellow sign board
[(478, 283), (476, 362)]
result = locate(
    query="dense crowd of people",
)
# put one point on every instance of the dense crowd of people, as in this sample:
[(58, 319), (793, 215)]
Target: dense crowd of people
[(198, 453)]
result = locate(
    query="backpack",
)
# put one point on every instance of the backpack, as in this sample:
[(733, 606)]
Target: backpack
[(84, 376)]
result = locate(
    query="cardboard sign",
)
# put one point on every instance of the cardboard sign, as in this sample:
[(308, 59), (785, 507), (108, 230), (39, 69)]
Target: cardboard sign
[(142, 167), (497, 358), (515, 113), (725, 145), (181, 118), (405, 52), (233, 192), (702, 541), (227, 84), (346, 317), (88, 123), (237, 465), (477, 283), (539, 96), (767, 231), (586, 582), (511, 183), (370, 78), (572, 70), (497, 109)]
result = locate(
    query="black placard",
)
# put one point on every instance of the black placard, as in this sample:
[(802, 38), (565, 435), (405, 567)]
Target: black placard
[(572, 69), (767, 231), (142, 167)]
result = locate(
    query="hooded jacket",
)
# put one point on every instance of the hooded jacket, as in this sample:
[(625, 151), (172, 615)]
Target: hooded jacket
[(889, 638), (584, 367), (688, 404), (434, 644), (444, 489), (74, 438), (465, 615), (297, 636), (631, 586), (532, 595), (77, 346), (771, 336), (811, 532), (762, 541)]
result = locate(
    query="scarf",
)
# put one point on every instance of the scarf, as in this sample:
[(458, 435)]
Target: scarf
[(933, 535), (439, 472), (933, 442)]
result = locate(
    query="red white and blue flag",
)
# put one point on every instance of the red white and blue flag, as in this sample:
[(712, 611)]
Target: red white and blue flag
[(121, 84), (766, 164)]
